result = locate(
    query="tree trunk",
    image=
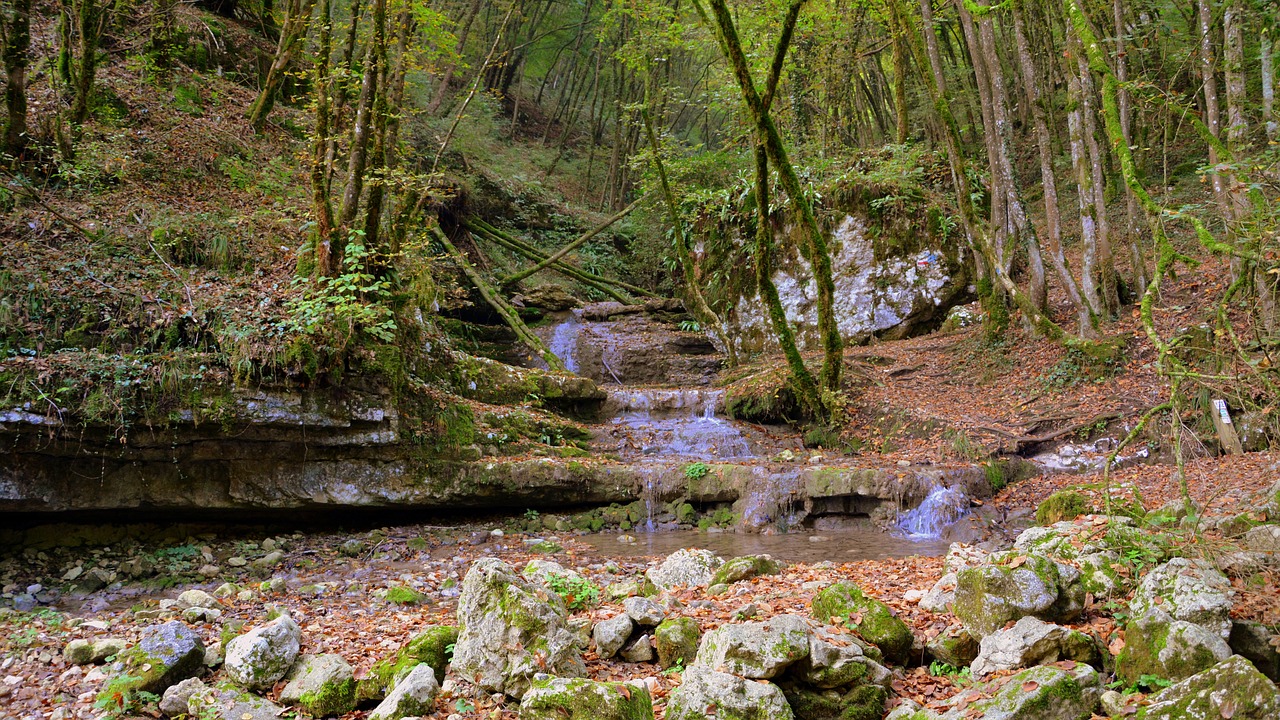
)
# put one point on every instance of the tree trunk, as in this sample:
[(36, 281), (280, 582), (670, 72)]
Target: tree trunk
[(17, 45), (361, 133), (1137, 257), (1237, 123), (443, 89), (320, 202), (1204, 28), (294, 29), (1269, 86)]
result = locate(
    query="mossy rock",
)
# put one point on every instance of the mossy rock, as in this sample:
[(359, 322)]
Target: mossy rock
[(872, 619), (865, 702), (1048, 692), (1012, 585), (546, 547), (401, 595), (1062, 505), (677, 641), (430, 647), (1233, 688), (322, 685), (745, 568), (582, 699), (1157, 646), (641, 586)]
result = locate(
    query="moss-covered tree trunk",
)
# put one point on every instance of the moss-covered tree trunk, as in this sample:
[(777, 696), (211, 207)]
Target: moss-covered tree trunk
[(17, 45), (294, 29)]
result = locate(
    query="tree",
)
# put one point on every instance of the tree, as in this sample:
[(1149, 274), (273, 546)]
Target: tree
[(297, 17), (15, 34)]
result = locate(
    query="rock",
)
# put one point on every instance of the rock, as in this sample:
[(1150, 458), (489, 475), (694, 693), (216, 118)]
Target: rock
[(226, 590), (757, 650), (197, 599), (1253, 641), (509, 632), (550, 297), (351, 548), (941, 595), (431, 646), (690, 568), (200, 614), (579, 699), (1048, 692), (677, 641), (78, 652), (610, 635), (1095, 548), (954, 646), (1264, 539), (541, 571), (864, 701), (643, 611), (1232, 688), (836, 661), (93, 580), (581, 629), (214, 655), (323, 685), (165, 655), (226, 702), (706, 693), (1063, 505), (745, 568), (1032, 642), (107, 648), (174, 702), (237, 562), (874, 621), (746, 612), (262, 656), (638, 650), (1113, 703), (269, 560), (1180, 622), (1010, 586), (634, 586), (413, 696)]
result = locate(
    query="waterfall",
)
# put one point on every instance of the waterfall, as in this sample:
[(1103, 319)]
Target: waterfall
[(943, 506), (564, 342), (674, 423)]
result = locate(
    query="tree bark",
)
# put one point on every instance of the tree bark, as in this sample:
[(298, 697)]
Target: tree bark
[(17, 47), (292, 32), (320, 202), (1269, 85)]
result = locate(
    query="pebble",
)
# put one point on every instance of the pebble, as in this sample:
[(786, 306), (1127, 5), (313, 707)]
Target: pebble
[(627, 539), (237, 561), (818, 539), (913, 596), (497, 532)]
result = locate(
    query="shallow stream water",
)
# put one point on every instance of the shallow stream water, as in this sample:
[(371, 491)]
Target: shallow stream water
[(840, 546)]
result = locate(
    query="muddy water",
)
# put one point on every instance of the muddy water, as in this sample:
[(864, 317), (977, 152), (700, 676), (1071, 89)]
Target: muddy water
[(845, 545)]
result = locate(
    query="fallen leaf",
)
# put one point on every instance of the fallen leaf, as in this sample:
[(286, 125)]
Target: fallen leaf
[(1030, 686)]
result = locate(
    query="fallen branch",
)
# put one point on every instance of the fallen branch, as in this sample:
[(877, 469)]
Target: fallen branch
[(512, 318), (517, 277)]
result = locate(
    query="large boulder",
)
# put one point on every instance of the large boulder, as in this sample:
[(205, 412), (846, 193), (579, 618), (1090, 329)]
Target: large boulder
[(227, 702), (954, 646), (1032, 642), (864, 702), (1095, 546), (165, 655), (430, 646), (942, 594), (757, 650), (1180, 622), (1253, 640), (1232, 688), (837, 661), (1010, 586), (705, 693), (874, 620), (413, 696), (323, 685), (176, 698), (511, 631), (643, 611), (677, 641), (580, 699), (259, 658), (1048, 692), (691, 568)]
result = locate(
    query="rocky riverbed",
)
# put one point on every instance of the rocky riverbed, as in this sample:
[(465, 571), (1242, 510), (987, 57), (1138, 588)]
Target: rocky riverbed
[(1103, 615)]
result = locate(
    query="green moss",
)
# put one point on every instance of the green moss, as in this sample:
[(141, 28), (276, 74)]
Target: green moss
[(332, 699), (1062, 505), (433, 647), (402, 595), (861, 703), (744, 568), (872, 619)]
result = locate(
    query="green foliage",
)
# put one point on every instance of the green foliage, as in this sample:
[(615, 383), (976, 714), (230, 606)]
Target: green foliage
[(696, 471), (120, 698), (578, 592), (1062, 505), (338, 310), (1076, 367), (400, 595), (960, 676), (1148, 683), (995, 475)]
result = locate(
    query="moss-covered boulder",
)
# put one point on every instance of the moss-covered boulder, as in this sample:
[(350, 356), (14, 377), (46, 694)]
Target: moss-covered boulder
[(1032, 642), (1062, 505), (865, 702), (431, 646), (322, 685), (839, 661), (580, 699), (259, 658), (1048, 692), (690, 568), (954, 646), (757, 650), (677, 641), (413, 696), (511, 631), (1100, 548), (1232, 688), (745, 568), (872, 619), (705, 693), (165, 655), (229, 702), (1253, 640), (628, 588), (1010, 586)]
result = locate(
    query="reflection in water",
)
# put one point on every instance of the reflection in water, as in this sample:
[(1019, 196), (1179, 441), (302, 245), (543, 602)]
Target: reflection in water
[(863, 542)]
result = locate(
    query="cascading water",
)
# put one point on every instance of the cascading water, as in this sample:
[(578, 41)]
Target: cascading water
[(942, 507), (674, 423), (564, 342)]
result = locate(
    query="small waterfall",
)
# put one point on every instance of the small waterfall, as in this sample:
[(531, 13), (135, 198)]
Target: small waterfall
[(769, 502), (943, 506), (564, 342), (674, 423)]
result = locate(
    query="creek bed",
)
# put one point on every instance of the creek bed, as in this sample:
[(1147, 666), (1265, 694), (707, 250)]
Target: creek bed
[(843, 545)]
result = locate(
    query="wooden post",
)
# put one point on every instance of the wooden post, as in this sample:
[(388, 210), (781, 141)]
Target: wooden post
[(1226, 429)]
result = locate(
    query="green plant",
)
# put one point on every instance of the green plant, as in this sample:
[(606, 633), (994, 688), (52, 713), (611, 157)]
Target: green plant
[(696, 471), (578, 592), (690, 326), (1144, 682), (960, 676), (995, 475), (120, 698), (462, 705), (676, 669), (340, 308)]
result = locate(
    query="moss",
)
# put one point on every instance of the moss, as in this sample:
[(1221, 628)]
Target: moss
[(862, 703), (433, 647), (744, 568), (677, 641), (546, 547), (402, 595), (581, 699), (1062, 505), (332, 699), (873, 620)]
